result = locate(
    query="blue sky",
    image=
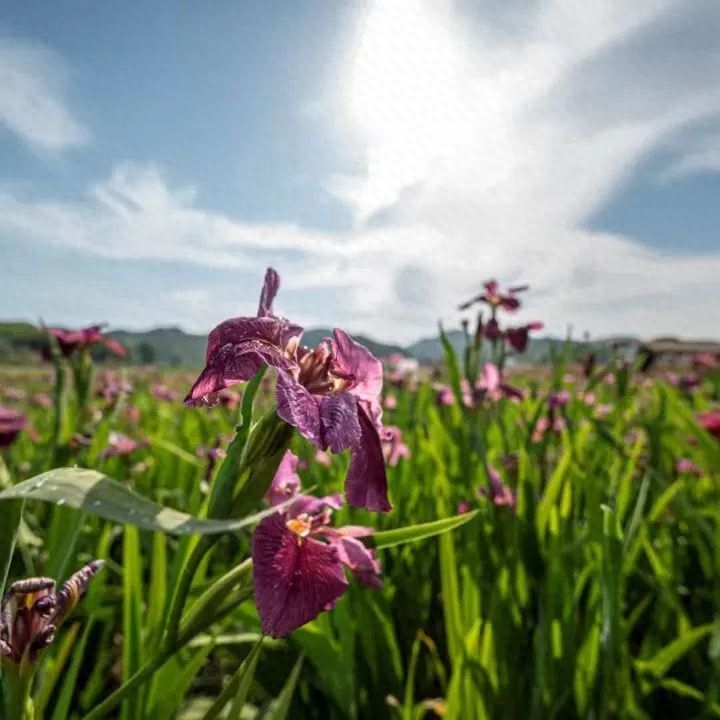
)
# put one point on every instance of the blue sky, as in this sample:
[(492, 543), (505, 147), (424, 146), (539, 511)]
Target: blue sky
[(386, 158)]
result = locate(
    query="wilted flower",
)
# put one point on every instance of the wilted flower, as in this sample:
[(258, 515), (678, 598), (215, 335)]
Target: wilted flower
[(494, 298), (298, 558), (392, 444), (710, 420), (32, 611), (119, 444), (11, 424), (330, 394), (71, 341)]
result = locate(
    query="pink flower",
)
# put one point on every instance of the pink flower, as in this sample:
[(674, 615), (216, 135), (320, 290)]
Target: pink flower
[(119, 444), (42, 400), (11, 424), (13, 393), (686, 465), (710, 420), (390, 402), (462, 507), (393, 446)]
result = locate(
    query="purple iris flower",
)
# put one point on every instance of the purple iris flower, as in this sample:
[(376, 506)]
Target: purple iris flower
[(331, 394), (299, 559), (70, 341)]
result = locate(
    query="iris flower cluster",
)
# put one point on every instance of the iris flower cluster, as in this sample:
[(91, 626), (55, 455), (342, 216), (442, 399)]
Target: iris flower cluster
[(332, 395)]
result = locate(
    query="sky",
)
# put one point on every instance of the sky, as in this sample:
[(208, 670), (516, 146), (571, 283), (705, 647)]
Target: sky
[(385, 157)]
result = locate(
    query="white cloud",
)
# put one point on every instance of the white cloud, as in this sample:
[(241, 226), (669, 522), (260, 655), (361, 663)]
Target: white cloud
[(483, 148), (698, 155), (32, 102)]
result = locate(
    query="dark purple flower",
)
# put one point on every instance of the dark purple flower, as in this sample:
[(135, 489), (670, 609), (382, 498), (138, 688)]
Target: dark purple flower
[(11, 424), (493, 297), (238, 348), (32, 611), (298, 562), (71, 341), (559, 399), (518, 337)]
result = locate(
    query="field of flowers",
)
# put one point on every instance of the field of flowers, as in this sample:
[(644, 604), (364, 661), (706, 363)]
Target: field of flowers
[(307, 533)]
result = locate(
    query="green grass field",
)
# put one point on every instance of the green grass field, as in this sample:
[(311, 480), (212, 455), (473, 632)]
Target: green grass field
[(584, 582)]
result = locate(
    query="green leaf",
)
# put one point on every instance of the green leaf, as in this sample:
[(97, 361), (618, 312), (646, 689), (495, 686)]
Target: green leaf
[(413, 533), (280, 707), (665, 658), (452, 365), (96, 494)]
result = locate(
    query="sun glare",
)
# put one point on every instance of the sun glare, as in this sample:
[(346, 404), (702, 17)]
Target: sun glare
[(404, 98)]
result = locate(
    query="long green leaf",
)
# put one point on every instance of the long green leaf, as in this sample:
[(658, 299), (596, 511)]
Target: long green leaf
[(96, 494), (280, 707), (413, 533)]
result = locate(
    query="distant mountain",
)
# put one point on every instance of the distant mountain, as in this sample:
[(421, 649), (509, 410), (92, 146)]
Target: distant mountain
[(164, 346), (174, 347)]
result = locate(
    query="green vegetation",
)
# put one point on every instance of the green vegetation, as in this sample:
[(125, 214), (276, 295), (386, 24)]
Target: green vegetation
[(594, 593)]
